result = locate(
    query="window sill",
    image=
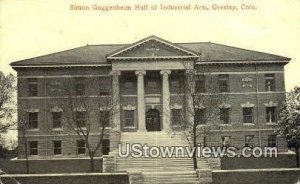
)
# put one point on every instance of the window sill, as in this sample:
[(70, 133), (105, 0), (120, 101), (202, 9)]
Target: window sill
[(248, 124), (175, 94), (130, 127), (106, 128), (83, 128), (58, 155), (57, 129), (33, 130), (176, 126), (202, 125), (226, 125), (270, 123)]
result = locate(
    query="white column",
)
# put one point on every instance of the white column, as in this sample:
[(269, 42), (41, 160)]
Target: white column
[(141, 100), (189, 90), (116, 114), (166, 99)]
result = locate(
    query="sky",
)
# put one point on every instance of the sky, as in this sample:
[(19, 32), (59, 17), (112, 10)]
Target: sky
[(31, 28)]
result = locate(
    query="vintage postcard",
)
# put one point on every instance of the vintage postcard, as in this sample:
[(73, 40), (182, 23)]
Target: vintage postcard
[(149, 92)]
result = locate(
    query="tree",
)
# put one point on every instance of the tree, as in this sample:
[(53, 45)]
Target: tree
[(289, 120), (80, 110), (7, 102), (22, 127), (206, 103)]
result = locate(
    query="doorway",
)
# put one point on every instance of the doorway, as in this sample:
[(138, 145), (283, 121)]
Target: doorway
[(153, 120)]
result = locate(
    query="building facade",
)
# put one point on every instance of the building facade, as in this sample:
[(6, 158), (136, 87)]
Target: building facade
[(150, 85)]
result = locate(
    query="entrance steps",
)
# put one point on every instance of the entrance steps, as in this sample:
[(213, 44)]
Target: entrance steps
[(155, 164), (159, 170)]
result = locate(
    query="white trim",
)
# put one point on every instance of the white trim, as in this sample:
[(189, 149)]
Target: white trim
[(176, 106), (225, 105), (159, 57), (58, 97), (238, 73), (105, 96), (225, 125), (32, 129), (32, 110), (57, 129), (129, 107), (248, 124), (130, 127), (104, 109), (240, 62), (246, 130), (55, 66), (60, 135), (271, 104), (62, 76), (56, 109), (247, 105), (146, 40), (244, 93)]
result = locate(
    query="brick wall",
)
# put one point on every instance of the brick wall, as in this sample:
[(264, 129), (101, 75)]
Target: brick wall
[(257, 176), (68, 178)]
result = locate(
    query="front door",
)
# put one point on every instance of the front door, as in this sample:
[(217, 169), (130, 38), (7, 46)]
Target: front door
[(153, 120)]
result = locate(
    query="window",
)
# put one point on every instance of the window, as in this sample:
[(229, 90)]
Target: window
[(80, 118), (129, 85), (271, 114), (200, 116), (80, 147), (224, 115), (104, 87), (248, 115), (223, 83), (176, 116), (226, 141), (152, 84), (56, 119), (249, 141), (200, 84), (105, 147), (33, 120), (32, 87), (104, 118), (272, 141), (175, 85), (129, 118), (33, 148), (270, 82), (57, 148), (79, 86)]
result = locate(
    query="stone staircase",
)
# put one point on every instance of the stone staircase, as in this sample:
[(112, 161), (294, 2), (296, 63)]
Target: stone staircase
[(159, 170)]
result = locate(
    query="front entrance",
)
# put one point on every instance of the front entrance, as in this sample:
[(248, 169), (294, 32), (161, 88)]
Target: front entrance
[(153, 120)]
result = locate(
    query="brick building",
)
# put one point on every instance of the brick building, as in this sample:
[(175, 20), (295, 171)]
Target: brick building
[(146, 85)]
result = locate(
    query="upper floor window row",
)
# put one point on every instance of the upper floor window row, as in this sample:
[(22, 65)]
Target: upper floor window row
[(79, 86), (269, 82), (33, 87), (223, 83)]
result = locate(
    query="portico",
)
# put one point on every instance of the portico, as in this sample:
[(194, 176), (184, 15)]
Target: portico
[(146, 67), (157, 99)]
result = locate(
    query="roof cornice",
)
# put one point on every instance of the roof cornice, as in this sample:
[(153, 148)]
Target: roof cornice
[(242, 62), (61, 66)]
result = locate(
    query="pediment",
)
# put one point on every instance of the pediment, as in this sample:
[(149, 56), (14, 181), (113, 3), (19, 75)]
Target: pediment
[(152, 48)]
